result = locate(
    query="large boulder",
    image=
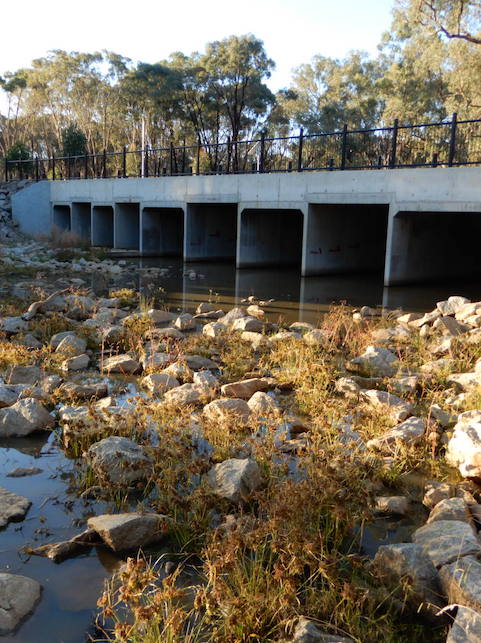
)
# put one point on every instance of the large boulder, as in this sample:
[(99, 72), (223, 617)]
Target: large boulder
[(8, 395), (235, 479), (188, 394), (24, 417), (71, 346), (228, 409), (450, 509), (445, 541), (306, 631), (461, 582), (12, 507), (464, 448), (129, 530), (375, 362), (18, 597), (263, 404), (121, 364), (466, 627), (452, 305), (245, 389), (119, 460), (25, 375), (408, 433), (397, 408), (159, 383)]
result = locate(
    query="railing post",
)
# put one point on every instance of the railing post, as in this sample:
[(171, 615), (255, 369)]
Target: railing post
[(344, 147), (6, 171), (124, 162), (228, 155), (452, 142), (171, 158), (69, 167), (435, 160), (104, 164), (37, 173), (198, 160), (53, 166), (263, 149), (393, 155), (146, 161), (299, 151), (86, 166)]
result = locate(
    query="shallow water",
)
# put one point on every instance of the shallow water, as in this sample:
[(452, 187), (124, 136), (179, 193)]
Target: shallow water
[(70, 589)]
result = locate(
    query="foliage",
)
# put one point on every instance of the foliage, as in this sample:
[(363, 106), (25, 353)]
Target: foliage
[(74, 141)]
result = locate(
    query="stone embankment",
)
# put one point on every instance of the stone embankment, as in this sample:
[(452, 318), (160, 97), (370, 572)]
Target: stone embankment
[(8, 228), (385, 385)]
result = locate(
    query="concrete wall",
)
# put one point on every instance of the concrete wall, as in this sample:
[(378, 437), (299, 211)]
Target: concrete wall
[(251, 217), (81, 222)]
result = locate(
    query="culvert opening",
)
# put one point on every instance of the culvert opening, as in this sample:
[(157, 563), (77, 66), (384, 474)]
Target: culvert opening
[(211, 232), (344, 238), (127, 221), (81, 220), (61, 217), (103, 226), (430, 246), (270, 237), (163, 231)]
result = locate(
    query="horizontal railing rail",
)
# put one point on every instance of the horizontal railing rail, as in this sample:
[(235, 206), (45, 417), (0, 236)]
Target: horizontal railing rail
[(447, 143)]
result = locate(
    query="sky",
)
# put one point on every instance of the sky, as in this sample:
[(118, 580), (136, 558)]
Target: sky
[(293, 31)]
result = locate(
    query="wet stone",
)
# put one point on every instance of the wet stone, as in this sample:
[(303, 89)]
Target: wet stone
[(21, 472), (12, 507), (235, 479), (18, 597), (119, 460), (24, 417), (127, 531), (445, 541)]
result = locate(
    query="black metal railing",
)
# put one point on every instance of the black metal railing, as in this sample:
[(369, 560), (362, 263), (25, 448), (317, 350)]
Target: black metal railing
[(447, 143)]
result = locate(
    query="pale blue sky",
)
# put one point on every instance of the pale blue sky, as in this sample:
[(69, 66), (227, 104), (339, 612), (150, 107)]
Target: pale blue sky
[(292, 30)]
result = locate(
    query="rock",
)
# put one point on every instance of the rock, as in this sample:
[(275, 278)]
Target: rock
[(214, 329), (395, 335), (187, 394), (444, 418), (129, 530), (445, 541), (438, 366), (257, 340), (205, 307), (18, 597), (316, 337), (426, 319), (408, 318), (301, 327), (225, 409), (77, 363), (21, 472), (410, 432), (450, 509), (403, 385), (198, 362), (13, 325), (407, 562), (435, 492), (160, 316), (465, 382), (179, 370), (392, 505), (256, 311), (397, 408), (29, 341), (71, 346), (250, 324), (84, 391), (452, 305), (8, 395), (58, 552), (185, 322), (284, 335), (159, 383), (375, 361), (153, 360), (348, 386), (306, 631), (166, 333), (235, 479), (466, 627), (24, 417), (461, 582), (245, 388), (464, 448), (25, 375), (441, 347), (468, 310), (450, 327), (12, 507), (232, 315), (263, 404), (206, 380), (119, 460), (121, 364)]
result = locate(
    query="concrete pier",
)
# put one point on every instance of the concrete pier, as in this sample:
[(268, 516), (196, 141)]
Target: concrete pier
[(406, 224)]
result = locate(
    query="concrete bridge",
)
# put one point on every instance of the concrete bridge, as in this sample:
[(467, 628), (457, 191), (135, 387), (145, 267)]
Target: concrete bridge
[(412, 225)]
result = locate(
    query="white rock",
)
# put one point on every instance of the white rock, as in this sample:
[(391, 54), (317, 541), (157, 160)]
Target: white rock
[(392, 505), (185, 322), (119, 460), (214, 329), (24, 417), (235, 479), (121, 364), (375, 361), (407, 433), (397, 408), (263, 404), (13, 325), (316, 337), (12, 508), (445, 541), (461, 582), (188, 394), (159, 383), (250, 324), (71, 346), (77, 363), (464, 448), (227, 409), (130, 530), (179, 370), (452, 305)]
